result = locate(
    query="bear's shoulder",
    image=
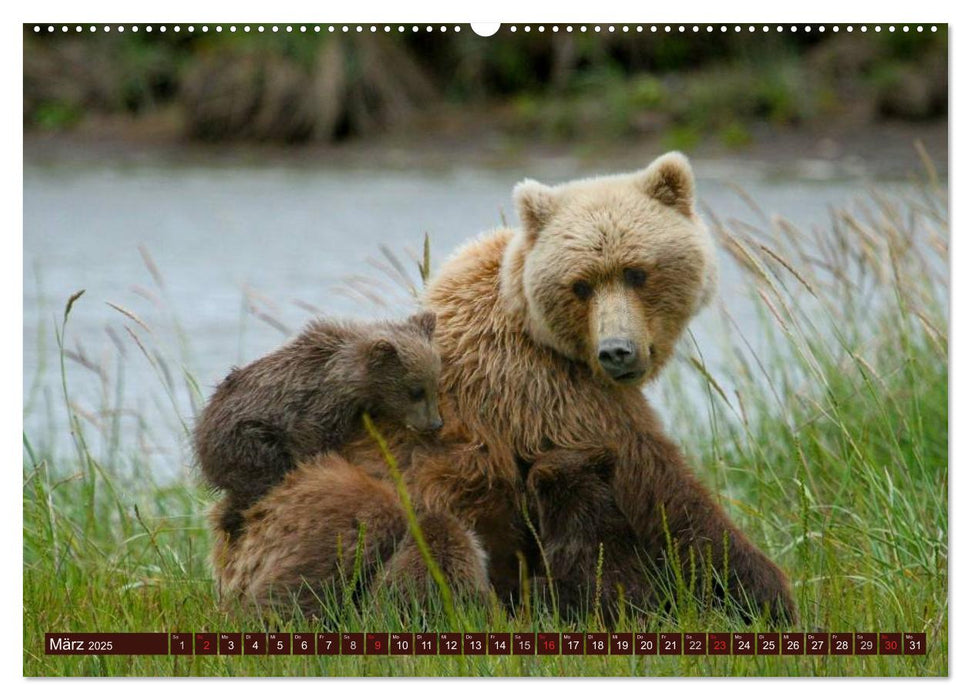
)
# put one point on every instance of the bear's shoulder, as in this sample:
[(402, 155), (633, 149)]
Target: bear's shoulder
[(465, 293), (474, 265)]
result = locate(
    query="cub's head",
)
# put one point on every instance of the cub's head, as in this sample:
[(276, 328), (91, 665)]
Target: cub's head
[(402, 371), (608, 271), (569, 490)]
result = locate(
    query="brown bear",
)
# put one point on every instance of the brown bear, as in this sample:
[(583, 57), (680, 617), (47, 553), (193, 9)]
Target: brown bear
[(547, 335), (307, 397)]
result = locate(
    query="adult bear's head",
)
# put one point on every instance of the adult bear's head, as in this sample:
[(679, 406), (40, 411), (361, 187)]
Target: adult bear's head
[(609, 270)]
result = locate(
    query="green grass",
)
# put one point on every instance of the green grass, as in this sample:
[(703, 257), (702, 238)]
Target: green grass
[(828, 445)]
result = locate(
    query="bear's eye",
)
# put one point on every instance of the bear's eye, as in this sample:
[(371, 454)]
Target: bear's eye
[(582, 290), (635, 276), (417, 393)]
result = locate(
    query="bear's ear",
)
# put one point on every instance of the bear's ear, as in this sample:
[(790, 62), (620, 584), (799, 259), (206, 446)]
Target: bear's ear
[(380, 352), (424, 322), (535, 203), (670, 181)]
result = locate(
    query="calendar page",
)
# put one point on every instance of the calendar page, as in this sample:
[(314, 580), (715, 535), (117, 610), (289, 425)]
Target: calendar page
[(513, 349)]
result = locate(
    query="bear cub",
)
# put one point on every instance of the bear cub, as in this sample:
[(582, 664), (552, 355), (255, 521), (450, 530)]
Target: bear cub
[(571, 499), (308, 397)]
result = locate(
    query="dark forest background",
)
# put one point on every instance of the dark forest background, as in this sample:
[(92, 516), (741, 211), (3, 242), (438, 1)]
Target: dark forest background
[(294, 88)]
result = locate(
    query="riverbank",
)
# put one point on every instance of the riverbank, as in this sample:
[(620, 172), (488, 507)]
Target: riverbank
[(885, 151)]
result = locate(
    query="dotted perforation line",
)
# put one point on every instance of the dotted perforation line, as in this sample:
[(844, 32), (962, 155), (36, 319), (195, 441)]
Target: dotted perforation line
[(248, 28), (428, 28), (712, 28)]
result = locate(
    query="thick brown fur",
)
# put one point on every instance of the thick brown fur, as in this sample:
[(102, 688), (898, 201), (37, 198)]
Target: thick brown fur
[(454, 548), (303, 536), (523, 316), (308, 397)]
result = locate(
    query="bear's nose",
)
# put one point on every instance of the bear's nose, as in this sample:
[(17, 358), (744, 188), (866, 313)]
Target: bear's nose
[(617, 355)]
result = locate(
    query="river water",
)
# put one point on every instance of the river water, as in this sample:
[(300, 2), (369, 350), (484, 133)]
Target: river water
[(220, 262)]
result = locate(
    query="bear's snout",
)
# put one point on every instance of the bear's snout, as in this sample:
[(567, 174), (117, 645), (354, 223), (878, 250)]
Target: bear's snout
[(619, 359), (431, 424)]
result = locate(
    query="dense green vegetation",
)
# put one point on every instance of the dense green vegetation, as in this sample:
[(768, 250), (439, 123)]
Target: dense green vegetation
[(301, 87), (829, 448)]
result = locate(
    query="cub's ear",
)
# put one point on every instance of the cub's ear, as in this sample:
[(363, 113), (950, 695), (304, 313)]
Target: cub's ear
[(669, 180), (425, 322), (604, 468), (535, 203), (380, 352)]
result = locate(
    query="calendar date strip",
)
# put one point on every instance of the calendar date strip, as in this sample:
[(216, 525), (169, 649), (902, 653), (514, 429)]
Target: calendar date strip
[(488, 643)]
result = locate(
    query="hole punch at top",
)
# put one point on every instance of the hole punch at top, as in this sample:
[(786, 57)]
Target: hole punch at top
[(485, 28)]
